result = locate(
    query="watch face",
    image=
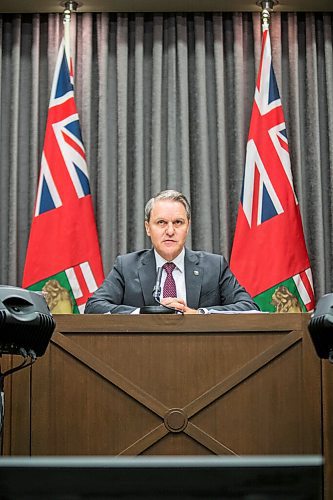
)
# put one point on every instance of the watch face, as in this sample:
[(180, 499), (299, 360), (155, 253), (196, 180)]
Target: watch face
[(201, 311)]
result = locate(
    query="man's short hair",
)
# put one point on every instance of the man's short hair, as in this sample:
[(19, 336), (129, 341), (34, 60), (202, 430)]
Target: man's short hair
[(169, 194)]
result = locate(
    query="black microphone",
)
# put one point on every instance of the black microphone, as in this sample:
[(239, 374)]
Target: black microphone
[(161, 308), (157, 293), (157, 287)]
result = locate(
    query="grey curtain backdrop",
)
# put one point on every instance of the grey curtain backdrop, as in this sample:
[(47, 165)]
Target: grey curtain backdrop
[(165, 102)]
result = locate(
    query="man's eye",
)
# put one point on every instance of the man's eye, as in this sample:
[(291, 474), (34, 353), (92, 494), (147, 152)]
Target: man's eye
[(161, 223), (178, 223)]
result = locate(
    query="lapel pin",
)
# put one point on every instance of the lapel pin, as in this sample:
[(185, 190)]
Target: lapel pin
[(196, 273)]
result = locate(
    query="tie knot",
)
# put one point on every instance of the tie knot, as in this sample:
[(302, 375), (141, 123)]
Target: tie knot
[(169, 267)]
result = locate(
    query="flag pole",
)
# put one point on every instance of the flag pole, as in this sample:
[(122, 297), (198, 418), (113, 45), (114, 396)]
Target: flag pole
[(70, 268), (269, 220), (70, 7)]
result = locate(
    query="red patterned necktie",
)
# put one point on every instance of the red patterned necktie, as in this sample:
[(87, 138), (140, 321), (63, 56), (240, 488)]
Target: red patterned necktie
[(169, 288)]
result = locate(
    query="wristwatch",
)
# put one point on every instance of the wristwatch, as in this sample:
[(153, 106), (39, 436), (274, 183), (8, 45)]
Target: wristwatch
[(201, 311)]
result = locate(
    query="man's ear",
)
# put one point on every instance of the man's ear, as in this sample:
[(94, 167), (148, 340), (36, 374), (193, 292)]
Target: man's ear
[(147, 228)]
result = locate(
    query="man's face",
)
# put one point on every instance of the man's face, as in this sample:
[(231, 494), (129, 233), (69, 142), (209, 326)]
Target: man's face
[(168, 227)]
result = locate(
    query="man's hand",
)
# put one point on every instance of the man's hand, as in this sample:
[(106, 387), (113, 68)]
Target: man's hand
[(178, 304)]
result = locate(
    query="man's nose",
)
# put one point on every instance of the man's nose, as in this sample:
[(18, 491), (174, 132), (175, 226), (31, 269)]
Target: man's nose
[(170, 228)]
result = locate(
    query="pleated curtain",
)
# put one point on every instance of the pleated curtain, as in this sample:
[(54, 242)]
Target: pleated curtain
[(164, 102)]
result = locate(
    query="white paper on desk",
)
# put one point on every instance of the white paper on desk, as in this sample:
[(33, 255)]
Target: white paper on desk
[(251, 311)]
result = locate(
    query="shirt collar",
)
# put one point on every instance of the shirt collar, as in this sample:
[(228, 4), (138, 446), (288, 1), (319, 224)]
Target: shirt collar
[(178, 261)]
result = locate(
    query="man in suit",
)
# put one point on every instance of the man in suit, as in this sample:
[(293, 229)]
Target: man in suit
[(198, 282)]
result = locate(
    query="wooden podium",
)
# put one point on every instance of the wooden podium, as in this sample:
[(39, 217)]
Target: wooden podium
[(229, 384)]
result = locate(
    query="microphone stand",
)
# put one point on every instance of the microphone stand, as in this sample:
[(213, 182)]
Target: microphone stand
[(25, 363), (160, 309)]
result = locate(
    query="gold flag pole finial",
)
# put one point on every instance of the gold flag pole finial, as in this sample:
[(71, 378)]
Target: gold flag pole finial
[(267, 7)]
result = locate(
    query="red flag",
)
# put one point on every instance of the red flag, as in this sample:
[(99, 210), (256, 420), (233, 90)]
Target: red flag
[(269, 255), (63, 257)]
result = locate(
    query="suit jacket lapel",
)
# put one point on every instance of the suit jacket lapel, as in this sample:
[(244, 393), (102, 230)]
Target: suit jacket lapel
[(147, 276), (193, 277)]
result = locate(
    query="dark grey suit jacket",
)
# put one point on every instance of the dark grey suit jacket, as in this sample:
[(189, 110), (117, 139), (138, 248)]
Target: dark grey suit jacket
[(209, 284)]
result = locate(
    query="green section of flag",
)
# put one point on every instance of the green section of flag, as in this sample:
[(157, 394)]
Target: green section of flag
[(283, 297), (62, 279)]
